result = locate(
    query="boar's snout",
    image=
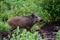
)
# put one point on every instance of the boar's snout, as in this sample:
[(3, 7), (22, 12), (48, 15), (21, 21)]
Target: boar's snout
[(40, 19)]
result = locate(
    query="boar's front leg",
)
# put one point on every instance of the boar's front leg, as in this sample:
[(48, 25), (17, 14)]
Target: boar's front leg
[(28, 29), (10, 30)]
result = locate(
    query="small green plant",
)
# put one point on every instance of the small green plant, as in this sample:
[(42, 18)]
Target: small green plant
[(58, 35), (25, 35), (4, 27)]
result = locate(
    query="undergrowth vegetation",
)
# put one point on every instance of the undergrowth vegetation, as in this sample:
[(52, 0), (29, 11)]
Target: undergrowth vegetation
[(25, 35), (49, 10)]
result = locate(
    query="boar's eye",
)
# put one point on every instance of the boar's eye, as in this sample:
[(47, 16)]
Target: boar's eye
[(36, 17)]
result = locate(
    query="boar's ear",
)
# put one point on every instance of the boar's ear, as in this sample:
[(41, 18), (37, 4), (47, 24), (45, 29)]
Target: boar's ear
[(32, 14)]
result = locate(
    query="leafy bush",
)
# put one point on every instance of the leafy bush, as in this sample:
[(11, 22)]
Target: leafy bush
[(52, 7), (10, 8)]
